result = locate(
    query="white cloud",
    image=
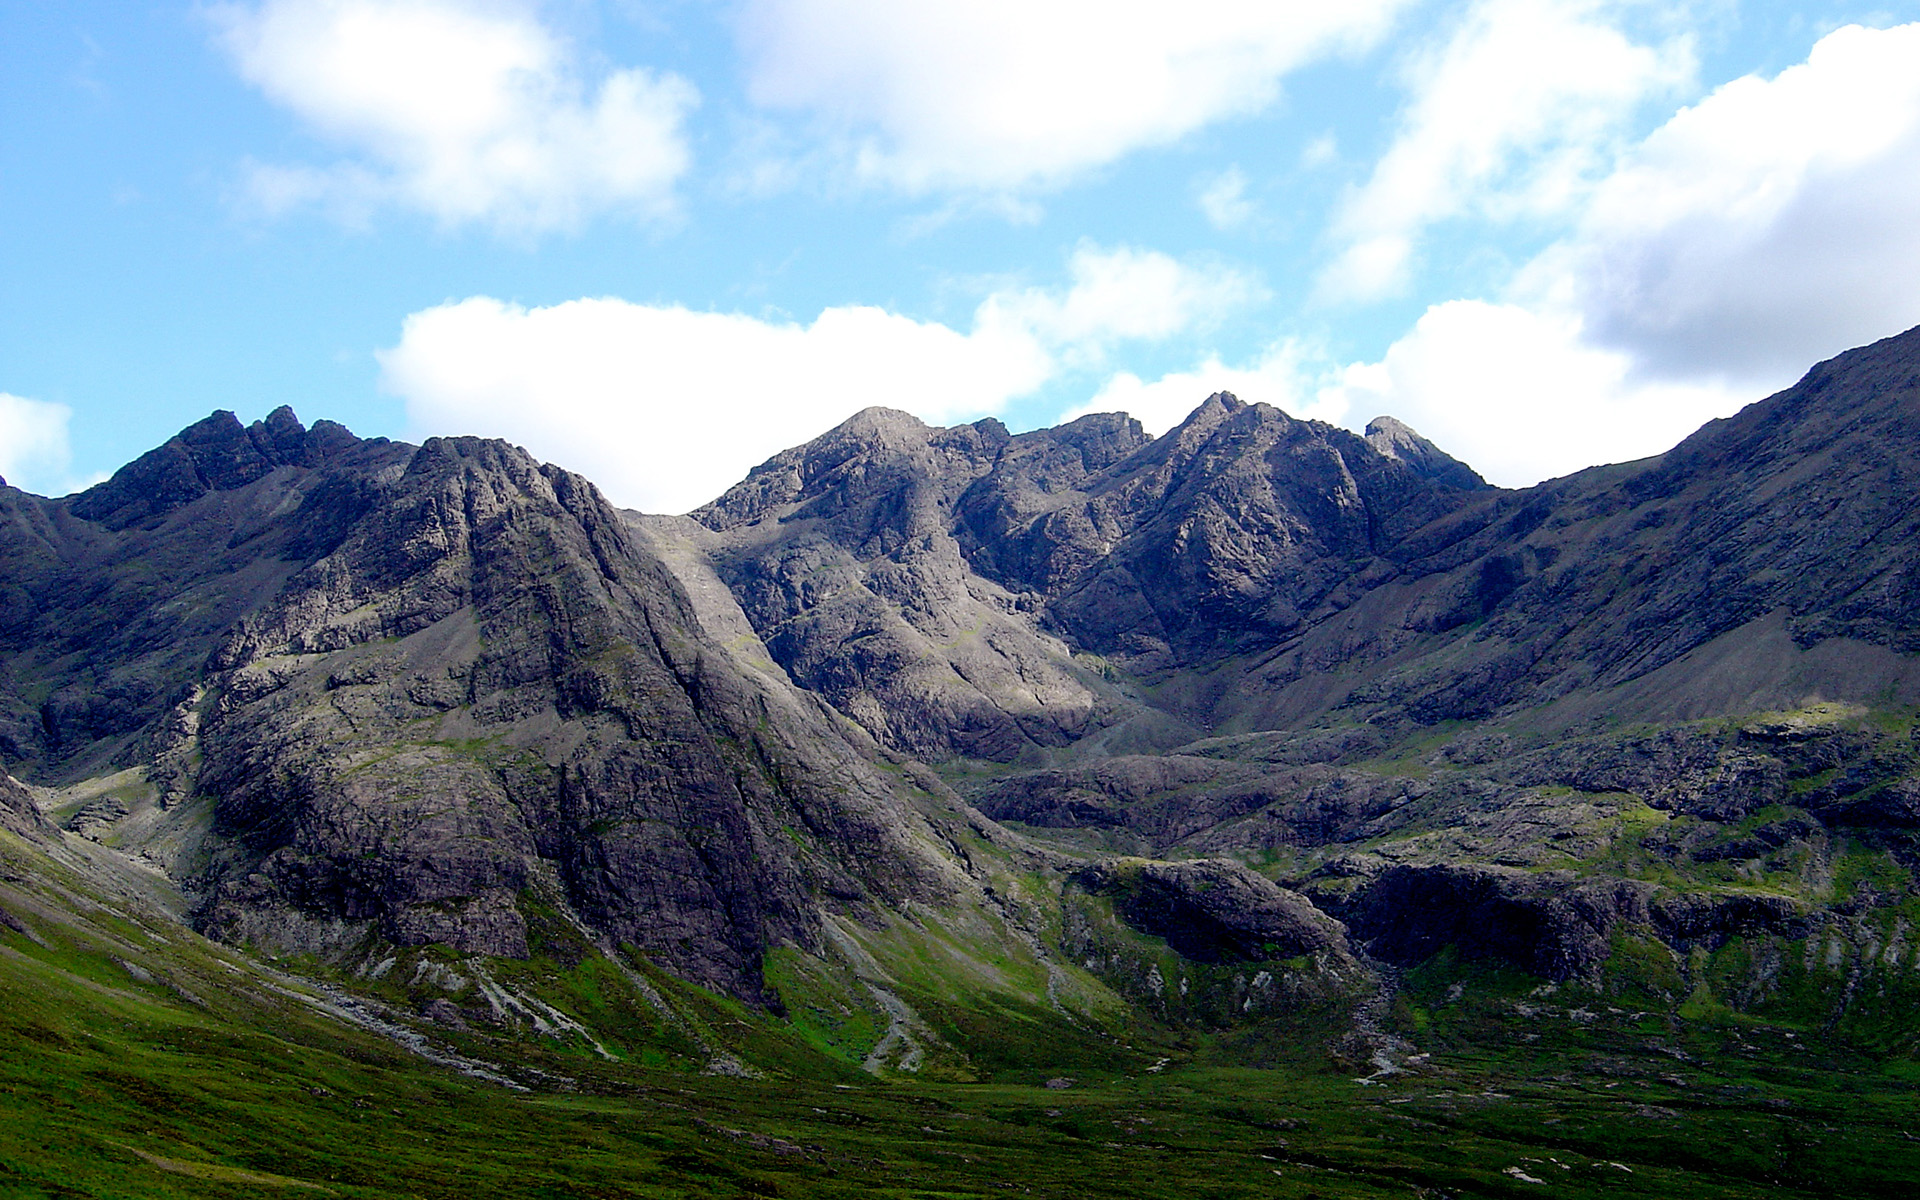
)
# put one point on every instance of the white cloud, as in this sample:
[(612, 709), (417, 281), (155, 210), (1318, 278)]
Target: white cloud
[(1770, 225), (1517, 394), (1223, 200), (1516, 115), (1521, 396), (1007, 94), (1122, 294), (1279, 377), (33, 443), (1764, 228), (468, 110), (665, 408), (1757, 231)]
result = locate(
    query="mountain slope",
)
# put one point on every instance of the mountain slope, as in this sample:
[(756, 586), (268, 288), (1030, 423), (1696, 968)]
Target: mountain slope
[(923, 579), (1248, 570), (489, 680), (1228, 729), (373, 695)]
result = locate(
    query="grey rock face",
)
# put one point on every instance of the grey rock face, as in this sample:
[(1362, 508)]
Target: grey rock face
[(921, 578), (216, 454), (1397, 440), (18, 813), (1230, 531), (431, 691), (488, 693), (110, 601), (843, 557), (428, 688), (1551, 924)]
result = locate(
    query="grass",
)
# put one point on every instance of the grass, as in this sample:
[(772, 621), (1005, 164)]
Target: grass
[(113, 1100), (113, 1088)]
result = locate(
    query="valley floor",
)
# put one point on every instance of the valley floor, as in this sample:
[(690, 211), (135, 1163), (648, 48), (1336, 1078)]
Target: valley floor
[(113, 1091)]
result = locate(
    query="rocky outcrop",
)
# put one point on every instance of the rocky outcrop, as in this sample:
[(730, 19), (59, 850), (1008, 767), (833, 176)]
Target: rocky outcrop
[(18, 813), (1840, 771), (1213, 910), (217, 454), (1230, 532), (1550, 924), (1397, 440)]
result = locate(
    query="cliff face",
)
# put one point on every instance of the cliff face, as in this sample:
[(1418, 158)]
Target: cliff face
[(489, 688), (18, 813)]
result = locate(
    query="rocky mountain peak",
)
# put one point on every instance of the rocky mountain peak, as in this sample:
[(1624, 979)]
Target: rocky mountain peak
[(1397, 440), (880, 424), (1215, 405), (877, 452), (381, 698), (216, 453)]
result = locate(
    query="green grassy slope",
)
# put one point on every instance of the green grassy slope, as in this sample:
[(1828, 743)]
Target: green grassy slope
[(143, 1061)]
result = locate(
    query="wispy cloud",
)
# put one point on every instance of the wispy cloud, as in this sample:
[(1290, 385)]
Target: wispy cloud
[(1223, 200), (1010, 95), (1516, 115)]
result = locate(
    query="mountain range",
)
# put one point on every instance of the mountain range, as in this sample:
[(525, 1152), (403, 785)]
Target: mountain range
[(968, 755)]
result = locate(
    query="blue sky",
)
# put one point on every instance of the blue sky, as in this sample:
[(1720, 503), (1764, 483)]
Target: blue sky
[(659, 240)]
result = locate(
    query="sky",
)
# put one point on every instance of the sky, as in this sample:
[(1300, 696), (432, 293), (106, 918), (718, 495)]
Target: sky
[(657, 241)]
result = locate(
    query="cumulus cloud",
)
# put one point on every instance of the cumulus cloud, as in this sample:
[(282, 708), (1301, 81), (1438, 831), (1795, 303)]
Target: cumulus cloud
[(1757, 231), (33, 443), (1281, 377), (1522, 396), (1122, 294), (467, 110), (1770, 225), (1005, 94), (1516, 115), (666, 407)]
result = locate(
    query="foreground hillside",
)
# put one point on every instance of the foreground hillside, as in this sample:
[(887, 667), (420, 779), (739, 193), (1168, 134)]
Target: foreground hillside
[(144, 1061), (1330, 820)]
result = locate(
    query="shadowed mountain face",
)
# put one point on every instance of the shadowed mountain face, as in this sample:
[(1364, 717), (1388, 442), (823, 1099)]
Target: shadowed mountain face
[(1260, 692), (935, 583), (609, 751), (420, 685), (110, 600)]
